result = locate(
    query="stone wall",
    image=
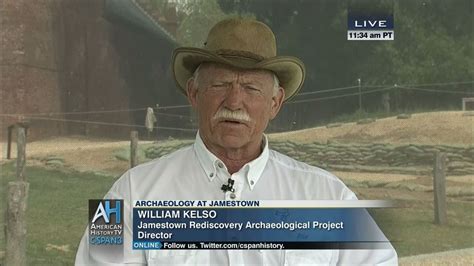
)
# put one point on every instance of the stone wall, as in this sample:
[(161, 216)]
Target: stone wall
[(29, 71)]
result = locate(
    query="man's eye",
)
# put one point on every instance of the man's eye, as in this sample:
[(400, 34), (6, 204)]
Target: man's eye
[(218, 85), (251, 88)]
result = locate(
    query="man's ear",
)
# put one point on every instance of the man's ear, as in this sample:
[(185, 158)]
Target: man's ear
[(191, 91), (277, 102)]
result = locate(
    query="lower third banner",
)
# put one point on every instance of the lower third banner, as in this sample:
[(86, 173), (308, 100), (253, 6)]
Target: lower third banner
[(255, 228)]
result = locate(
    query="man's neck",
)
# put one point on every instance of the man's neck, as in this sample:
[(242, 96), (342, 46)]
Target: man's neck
[(235, 159)]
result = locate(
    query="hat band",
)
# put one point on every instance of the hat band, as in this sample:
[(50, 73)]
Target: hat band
[(227, 53)]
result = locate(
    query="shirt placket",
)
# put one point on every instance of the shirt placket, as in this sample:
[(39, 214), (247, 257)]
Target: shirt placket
[(235, 256), (237, 178)]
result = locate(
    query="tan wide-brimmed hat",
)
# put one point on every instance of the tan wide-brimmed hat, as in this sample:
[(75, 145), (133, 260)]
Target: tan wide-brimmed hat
[(242, 43)]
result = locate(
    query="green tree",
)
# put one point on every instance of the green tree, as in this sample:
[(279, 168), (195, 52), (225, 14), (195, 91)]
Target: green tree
[(196, 19)]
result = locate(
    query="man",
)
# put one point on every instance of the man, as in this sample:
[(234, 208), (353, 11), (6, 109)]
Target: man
[(237, 84)]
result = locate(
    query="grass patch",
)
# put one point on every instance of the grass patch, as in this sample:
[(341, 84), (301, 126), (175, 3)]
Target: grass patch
[(123, 154), (57, 210), (412, 231)]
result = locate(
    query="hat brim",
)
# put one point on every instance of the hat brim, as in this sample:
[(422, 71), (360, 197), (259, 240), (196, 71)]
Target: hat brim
[(289, 70)]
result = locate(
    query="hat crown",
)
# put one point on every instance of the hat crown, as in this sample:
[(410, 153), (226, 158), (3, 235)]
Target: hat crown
[(246, 35), (244, 44)]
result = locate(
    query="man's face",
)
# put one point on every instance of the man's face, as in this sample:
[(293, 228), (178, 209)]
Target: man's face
[(234, 106)]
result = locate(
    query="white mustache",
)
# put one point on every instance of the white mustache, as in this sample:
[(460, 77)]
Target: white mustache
[(226, 114)]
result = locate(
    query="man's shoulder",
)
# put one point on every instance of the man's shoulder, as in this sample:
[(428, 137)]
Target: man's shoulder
[(320, 183), (302, 168)]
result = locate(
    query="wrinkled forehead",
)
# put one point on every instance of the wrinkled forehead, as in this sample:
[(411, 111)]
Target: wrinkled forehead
[(216, 71)]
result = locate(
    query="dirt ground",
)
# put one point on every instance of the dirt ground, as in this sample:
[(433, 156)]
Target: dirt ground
[(437, 128), (75, 144), (79, 153), (419, 179)]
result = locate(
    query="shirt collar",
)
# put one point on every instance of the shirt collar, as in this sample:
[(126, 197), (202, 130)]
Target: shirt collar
[(209, 162)]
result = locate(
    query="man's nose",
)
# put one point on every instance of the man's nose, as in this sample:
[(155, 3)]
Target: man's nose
[(235, 97)]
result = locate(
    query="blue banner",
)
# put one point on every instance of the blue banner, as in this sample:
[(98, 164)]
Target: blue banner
[(310, 225)]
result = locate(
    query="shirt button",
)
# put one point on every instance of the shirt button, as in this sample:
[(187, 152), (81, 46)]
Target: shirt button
[(232, 196), (252, 182), (220, 164), (211, 174)]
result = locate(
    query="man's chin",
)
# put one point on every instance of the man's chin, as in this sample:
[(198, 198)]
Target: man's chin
[(233, 141)]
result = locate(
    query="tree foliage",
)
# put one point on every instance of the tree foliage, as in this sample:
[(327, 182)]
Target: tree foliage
[(196, 18)]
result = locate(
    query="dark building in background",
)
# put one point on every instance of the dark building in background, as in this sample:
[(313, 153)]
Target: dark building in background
[(70, 60)]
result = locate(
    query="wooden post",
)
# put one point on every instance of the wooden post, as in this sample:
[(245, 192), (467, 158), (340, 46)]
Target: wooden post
[(16, 223), (17, 198), (439, 188), (9, 141), (133, 148), (386, 102), (21, 156), (360, 98)]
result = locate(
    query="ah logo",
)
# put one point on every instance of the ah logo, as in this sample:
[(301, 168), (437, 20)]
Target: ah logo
[(105, 209)]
